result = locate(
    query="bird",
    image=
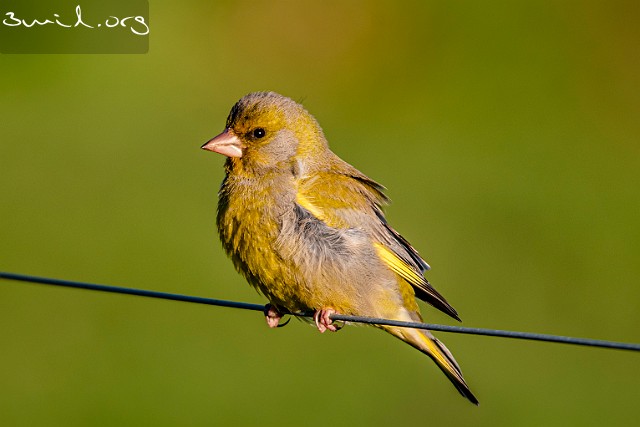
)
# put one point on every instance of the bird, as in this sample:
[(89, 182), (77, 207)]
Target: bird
[(308, 231)]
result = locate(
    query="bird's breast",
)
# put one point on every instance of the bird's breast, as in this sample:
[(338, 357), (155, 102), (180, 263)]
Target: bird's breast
[(250, 215)]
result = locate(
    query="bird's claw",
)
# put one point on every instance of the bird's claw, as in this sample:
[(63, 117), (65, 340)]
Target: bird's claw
[(323, 320), (273, 316)]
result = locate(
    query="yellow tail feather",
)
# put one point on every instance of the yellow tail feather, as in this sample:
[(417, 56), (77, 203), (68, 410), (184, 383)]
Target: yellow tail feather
[(429, 345)]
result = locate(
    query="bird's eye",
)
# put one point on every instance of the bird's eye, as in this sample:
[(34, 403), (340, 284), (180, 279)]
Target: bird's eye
[(259, 133)]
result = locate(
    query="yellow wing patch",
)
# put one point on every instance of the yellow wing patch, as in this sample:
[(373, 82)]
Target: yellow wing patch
[(398, 265), (423, 289), (306, 203)]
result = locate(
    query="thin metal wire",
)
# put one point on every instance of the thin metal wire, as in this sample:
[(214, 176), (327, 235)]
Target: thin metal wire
[(492, 332), (130, 291), (337, 317)]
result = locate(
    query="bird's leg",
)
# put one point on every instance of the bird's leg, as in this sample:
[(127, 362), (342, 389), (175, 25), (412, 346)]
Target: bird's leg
[(323, 320), (272, 315)]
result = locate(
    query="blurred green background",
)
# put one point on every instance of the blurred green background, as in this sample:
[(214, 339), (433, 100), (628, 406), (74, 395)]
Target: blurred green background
[(506, 132)]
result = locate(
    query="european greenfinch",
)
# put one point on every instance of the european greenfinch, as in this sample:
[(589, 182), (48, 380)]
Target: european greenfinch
[(307, 229)]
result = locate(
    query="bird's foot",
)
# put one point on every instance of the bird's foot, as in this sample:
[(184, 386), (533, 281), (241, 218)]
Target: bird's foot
[(323, 320), (273, 316)]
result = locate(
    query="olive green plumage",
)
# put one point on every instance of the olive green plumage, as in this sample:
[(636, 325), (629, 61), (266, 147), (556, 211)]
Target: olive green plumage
[(307, 229)]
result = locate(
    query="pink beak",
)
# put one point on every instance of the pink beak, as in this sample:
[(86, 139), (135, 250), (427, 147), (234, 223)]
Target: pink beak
[(227, 144)]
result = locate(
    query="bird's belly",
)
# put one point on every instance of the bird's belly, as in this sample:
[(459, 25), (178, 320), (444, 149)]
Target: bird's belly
[(334, 267)]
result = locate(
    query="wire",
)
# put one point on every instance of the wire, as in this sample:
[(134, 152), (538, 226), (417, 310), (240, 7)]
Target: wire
[(131, 291), (337, 317), (492, 332)]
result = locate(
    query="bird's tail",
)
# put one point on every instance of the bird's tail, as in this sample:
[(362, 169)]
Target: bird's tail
[(424, 341)]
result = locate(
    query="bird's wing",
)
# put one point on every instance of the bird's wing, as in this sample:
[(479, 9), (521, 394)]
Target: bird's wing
[(345, 198)]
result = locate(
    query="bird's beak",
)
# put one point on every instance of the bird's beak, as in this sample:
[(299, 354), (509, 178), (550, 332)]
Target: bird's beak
[(227, 144)]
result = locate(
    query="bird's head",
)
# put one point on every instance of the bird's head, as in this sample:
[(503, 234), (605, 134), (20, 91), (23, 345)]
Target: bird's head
[(267, 130)]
